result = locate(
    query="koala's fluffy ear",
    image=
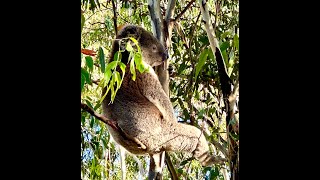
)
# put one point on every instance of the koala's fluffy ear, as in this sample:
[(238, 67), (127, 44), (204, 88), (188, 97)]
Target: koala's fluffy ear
[(129, 31)]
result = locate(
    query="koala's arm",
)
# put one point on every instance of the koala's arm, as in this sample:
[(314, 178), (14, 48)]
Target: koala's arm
[(151, 88)]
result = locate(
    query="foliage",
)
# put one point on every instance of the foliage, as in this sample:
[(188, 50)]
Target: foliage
[(194, 86)]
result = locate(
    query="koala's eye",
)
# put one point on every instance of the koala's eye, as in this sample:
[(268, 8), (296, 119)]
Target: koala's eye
[(154, 48)]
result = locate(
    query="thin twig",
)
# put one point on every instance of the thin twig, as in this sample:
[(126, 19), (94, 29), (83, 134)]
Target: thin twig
[(184, 10), (114, 6), (171, 169), (111, 123), (99, 116)]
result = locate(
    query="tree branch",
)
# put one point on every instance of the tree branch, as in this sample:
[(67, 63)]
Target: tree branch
[(111, 123), (225, 83), (171, 169), (184, 10), (114, 7)]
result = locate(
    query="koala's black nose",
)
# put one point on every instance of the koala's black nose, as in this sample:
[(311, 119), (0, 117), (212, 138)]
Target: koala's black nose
[(165, 56)]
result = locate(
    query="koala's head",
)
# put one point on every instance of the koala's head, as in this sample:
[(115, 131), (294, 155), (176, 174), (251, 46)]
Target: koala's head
[(153, 52)]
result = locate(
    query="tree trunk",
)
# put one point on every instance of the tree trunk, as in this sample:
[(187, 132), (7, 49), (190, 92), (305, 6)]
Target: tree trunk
[(162, 30), (228, 96)]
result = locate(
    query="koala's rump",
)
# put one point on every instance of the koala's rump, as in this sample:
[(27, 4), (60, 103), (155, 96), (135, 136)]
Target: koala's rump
[(139, 119)]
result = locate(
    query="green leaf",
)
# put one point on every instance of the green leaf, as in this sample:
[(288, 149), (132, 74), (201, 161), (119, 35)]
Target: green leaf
[(118, 79), (89, 62), (201, 62), (102, 60), (122, 67), (92, 122), (136, 43), (86, 75), (234, 136), (236, 41), (129, 47), (113, 94), (96, 106), (104, 142), (137, 58), (185, 161), (182, 67), (225, 34), (139, 64), (105, 94), (225, 57), (82, 21), (112, 65), (204, 39), (224, 46), (107, 76), (83, 79), (214, 172), (117, 56), (83, 120), (89, 104), (201, 113), (210, 54), (133, 70)]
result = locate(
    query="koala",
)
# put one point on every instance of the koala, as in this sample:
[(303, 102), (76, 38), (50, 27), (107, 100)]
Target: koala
[(143, 110)]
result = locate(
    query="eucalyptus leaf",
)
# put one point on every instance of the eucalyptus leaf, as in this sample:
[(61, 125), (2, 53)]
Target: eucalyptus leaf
[(136, 43), (117, 56), (118, 79), (89, 62), (201, 62), (224, 46), (86, 75), (236, 41), (112, 65), (129, 47), (123, 68), (82, 21), (133, 70), (102, 60), (83, 79)]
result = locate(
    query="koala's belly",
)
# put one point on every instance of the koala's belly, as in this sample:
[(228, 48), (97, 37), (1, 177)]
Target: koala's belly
[(142, 121)]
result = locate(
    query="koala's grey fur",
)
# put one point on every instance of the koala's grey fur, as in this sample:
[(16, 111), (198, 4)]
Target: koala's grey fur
[(144, 112)]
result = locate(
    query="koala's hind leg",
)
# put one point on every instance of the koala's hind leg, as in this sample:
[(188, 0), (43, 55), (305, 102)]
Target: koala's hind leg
[(187, 138)]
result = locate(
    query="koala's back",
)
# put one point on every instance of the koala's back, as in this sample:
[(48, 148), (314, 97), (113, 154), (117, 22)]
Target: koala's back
[(135, 114)]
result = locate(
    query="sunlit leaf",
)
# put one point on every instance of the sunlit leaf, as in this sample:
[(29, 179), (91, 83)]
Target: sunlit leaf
[(113, 94), (122, 67), (133, 70), (118, 79), (139, 63), (236, 41), (136, 43), (129, 47), (112, 65), (82, 21), (117, 56), (107, 76)]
